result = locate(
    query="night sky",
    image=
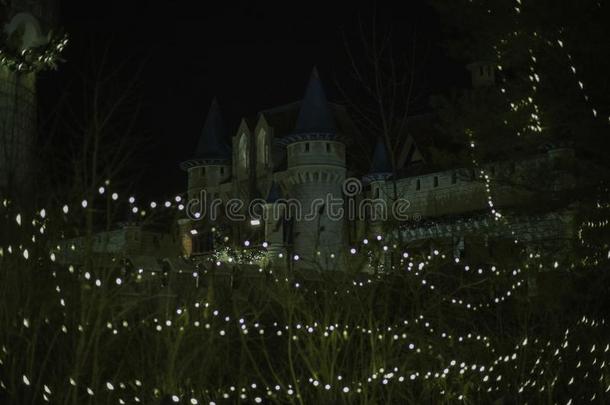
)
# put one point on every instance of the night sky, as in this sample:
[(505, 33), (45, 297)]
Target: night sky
[(251, 55)]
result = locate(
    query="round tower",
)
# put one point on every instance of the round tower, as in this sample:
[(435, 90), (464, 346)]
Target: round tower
[(314, 178), (376, 182), (28, 46), (210, 167)]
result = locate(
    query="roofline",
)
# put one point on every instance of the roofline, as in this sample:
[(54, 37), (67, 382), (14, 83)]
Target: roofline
[(197, 162)]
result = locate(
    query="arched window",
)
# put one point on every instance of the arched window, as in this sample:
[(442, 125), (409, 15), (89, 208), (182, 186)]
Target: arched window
[(243, 152), (262, 147)]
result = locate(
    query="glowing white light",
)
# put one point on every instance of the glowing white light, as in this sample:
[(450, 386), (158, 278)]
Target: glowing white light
[(115, 196)]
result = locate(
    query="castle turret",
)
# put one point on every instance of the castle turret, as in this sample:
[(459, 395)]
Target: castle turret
[(314, 177), (381, 170), (210, 167), (211, 164)]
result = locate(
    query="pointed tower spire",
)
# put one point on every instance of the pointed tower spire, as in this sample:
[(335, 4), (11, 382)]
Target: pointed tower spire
[(381, 159), (212, 144), (381, 167), (315, 115)]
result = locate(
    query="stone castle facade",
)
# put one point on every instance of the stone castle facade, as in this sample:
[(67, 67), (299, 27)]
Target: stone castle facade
[(297, 152)]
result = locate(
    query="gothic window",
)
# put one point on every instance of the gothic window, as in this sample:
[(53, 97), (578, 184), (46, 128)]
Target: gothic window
[(435, 181), (418, 184), (262, 147), (307, 147), (202, 171), (328, 147), (243, 152)]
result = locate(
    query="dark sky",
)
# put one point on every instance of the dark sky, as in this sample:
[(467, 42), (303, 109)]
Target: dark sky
[(251, 55)]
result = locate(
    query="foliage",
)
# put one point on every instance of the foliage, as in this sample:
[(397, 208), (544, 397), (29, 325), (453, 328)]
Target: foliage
[(430, 329)]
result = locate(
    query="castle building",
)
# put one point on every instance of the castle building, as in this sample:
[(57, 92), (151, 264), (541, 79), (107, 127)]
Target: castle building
[(290, 163), (290, 160)]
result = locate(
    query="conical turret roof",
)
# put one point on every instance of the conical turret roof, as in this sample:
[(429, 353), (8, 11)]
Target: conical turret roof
[(381, 159), (315, 115), (212, 142), (381, 167)]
